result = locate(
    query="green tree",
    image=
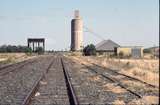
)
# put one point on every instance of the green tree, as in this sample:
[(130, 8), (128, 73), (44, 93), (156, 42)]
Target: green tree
[(28, 51), (147, 51), (89, 50)]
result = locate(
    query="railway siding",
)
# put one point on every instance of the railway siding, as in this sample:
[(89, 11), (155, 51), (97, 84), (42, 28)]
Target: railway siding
[(136, 86), (62, 81), (92, 88), (15, 85), (52, 89)]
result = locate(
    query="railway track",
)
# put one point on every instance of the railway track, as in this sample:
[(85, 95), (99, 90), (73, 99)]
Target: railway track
[(115, 72), (59, 90), (111, 75), (61, 81), (140, 90), (35, 86), (15, 86), (71, 89), (71, 92), (16, 66), (90, 91), (115, 81), (129, 77)]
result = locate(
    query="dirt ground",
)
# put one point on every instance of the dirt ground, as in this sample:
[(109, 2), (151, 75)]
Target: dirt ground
[(144, 69)]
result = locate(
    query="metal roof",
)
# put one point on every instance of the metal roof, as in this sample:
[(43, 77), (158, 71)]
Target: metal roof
[(106, 45), (131, 46), (36, 39)]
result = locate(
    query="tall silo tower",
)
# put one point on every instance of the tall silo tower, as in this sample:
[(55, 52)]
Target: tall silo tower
[(76, 32)]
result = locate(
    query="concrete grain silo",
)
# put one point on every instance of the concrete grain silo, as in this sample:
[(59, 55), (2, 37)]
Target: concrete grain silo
[(76, 32)]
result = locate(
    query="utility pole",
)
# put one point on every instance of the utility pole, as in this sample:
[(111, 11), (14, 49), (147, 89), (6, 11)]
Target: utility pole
[(154, 50)]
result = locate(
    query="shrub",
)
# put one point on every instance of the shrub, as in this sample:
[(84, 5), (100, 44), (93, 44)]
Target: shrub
[(147, 51), (28, 51), (121, 54), (89, 50), (13, 48)]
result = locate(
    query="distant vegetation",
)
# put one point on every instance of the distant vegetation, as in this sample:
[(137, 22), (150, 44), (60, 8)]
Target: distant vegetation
[(13, 48), (147, 51), (28, 51), (89, 50)]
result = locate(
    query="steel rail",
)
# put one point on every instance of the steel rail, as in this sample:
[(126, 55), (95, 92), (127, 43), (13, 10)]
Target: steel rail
[(32, 92), (27, 99), (20, 65), (126, 76), (130, 77), (71, 92), (114, 80), (13, 64)]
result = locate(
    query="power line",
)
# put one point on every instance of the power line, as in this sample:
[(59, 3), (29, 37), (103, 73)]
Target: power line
[(93, 33)]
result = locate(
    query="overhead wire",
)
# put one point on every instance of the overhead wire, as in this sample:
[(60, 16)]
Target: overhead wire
[(93, 33)]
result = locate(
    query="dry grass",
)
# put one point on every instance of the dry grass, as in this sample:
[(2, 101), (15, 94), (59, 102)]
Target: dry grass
[(74, 54), (134, 85), (113, 88), (146, 70), (8, 58), (149, 100), (118, 102), (94, 78), (145, 75)]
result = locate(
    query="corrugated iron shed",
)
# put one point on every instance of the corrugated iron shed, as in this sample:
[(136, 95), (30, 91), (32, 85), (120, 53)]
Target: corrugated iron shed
[(106, 45)]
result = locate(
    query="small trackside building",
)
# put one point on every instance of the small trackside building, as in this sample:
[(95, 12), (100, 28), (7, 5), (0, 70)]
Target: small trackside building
[(106, 47), (130, 51)]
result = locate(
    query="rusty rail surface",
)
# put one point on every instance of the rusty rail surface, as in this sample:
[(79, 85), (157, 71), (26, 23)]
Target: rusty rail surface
[(130, 77), (32, 92), (20, 65), (115, 81), (35, 86), (10, 65), (71, 92)]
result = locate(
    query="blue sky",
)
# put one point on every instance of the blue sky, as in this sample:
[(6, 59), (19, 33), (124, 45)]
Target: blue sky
[(127, 22)]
